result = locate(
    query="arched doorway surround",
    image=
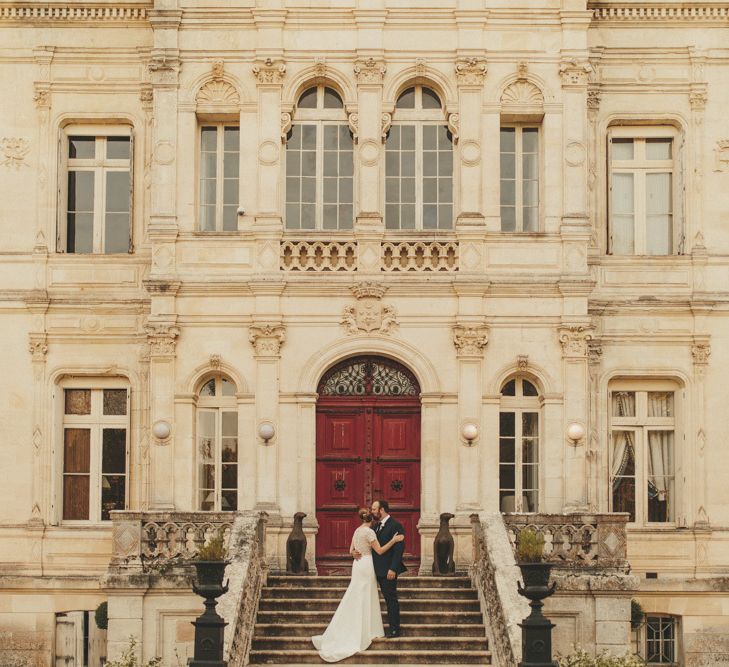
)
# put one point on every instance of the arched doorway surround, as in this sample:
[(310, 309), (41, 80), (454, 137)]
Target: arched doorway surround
[(367, 446)]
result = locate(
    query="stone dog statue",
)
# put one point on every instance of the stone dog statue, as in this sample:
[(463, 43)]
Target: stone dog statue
[(443, 547), (296, 562)]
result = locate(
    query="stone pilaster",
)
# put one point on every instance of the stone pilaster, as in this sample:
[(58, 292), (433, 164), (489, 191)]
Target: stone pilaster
[(700, 352)]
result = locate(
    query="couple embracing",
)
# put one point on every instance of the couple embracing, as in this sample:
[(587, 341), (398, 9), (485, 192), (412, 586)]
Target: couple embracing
[(377, 548)]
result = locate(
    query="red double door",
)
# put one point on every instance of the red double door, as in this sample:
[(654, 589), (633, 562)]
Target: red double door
[(367, 448)]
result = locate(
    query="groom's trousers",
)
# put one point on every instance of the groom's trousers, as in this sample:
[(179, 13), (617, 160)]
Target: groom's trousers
[(389, 591)]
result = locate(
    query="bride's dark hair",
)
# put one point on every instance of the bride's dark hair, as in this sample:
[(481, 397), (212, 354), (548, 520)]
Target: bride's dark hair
[(365, 515)]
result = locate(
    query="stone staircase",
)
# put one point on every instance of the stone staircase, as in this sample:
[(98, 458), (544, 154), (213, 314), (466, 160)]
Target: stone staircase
[(440, 616)]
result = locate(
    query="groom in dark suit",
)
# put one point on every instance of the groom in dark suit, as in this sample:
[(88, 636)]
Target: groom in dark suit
[(389, 565)]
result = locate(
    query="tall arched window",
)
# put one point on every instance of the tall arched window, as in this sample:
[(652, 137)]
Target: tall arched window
[(519, 446), (217, 445), (419, 164), (319, 163)]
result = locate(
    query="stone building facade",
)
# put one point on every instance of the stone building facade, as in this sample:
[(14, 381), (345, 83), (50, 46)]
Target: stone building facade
[(246, 244)]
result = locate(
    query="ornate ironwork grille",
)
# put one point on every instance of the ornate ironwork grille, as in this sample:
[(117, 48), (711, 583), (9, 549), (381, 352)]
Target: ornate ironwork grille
[(369, 376)]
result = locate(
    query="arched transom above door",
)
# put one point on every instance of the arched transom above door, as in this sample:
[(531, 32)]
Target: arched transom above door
[(369, 376)]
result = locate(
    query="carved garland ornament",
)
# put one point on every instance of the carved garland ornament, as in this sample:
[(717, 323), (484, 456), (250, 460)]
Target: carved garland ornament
[(369, 71)]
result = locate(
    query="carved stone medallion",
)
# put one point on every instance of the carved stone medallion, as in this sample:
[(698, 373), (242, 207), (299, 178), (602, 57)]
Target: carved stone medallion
[(369, 314)]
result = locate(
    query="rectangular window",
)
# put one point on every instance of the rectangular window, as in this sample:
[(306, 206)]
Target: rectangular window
[(519, 179), (419, 177), (97, 197), (643, 192), (660, 640), (95, 452), (217, 436), (642, 467), (219, 168)]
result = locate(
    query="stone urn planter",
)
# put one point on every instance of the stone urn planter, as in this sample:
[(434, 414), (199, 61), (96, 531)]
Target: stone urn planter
[(209, 626), (536, 629)]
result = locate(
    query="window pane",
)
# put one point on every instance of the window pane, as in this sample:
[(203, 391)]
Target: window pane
[(113, 489), (206, 424), (207, 218), (407, 216), (530, 193), (118, 148), (230, 450), (623, 472), (529, 477), (228, 387), (308, 137), (530, 166), (445, 216), (508, 140), (531, 219), (508, 219), (308, 216), (208, 165), (116, 237), (230, 191), (659, 227), (208, 139), (506, 501), (509, 389), (430, 137), (80, 232), (76, 450), (623, 232), (114, 444), (229, 501), (117, 220), (407, 137), (623, 403), (660, 404), (507, 450), (115, 401), (230, 424), (406, 99), (528, 389), (660, 476), (430, 99), (346, 161), (530, 139), (230, 218), (658, 149), (78, 401), (308, 99), (76, 497), (508, 192), (208, 389), (229, 476), (81, 191), (83, 148), (530, 502), (529, 450), (231, 139), (332, 99), (508, 166), (430, 216), (530, 424), (308, 189), (507, 421), (507, 477), (622, 149)]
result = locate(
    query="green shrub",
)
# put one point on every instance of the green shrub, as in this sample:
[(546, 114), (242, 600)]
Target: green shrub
[(529, 547), (581, 658), (101, 616), (636, 614), (129, 658), (213, 550)]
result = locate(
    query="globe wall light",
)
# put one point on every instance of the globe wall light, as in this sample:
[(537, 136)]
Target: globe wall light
[(575, 432), (266, 431), (161, 429), (469, 432)]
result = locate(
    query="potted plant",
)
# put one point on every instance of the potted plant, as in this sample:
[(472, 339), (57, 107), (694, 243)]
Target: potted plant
[(530, 558), (210, 563)]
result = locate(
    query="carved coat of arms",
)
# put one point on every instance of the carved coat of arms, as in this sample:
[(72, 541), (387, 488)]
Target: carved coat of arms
[(369, 314)]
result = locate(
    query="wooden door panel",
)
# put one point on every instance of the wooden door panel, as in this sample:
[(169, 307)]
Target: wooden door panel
[(397, 436), (339, 484), (335, 531), (409, 521), (340, 433), (399, 483)]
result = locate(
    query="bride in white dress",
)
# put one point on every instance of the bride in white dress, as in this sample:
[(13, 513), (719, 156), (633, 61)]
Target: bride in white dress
[(357, 620)]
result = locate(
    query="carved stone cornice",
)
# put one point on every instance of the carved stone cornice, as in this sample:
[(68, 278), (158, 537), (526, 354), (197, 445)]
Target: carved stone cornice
[(471, 71), (574, 339), (369, 71), (162, 338), (574, 73), (470, 340), (38, 346), (269, 72), (267, 339)]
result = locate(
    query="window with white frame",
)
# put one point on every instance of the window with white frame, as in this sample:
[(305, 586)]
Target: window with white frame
[(644, 191), (96, 191), (219, 166), (660, 640), (217, 445), (519, 446), (95, 452), (519, 179), (320, 164), (642, 451), (419, 164)]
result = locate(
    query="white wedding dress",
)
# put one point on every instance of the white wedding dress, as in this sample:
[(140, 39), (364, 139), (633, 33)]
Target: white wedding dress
[(357, 620)]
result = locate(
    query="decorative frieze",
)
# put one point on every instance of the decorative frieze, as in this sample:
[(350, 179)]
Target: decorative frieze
[(369, 314), (71, 12), (369, 71), (13, 152), (471, 71), (643, 12), (269, 72), (574, 339), (267, 339), (470, 340), (162, 338)]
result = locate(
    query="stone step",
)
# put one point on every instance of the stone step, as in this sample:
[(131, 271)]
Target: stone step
[(406, 581), (407, 616), (408, 630), (403, 643), (330, 592), (378, 657), (406, 604)]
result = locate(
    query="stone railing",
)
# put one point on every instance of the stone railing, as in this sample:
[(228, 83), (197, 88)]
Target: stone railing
[(318, 256), (246, 577), (140, 538), (576, 540), (642, 11), (420, 256), (494, 574)]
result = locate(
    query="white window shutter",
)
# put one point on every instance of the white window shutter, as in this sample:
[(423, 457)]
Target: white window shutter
[(680, 199), (131, 196)]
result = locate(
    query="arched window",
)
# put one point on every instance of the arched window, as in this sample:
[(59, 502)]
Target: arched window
[(419, 164), (217, 445), (519, 446), (319, 163)]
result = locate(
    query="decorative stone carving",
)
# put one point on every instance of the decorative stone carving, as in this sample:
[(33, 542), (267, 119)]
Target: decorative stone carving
[(721, 155), (574, 154), (522, 362), (453, 121), (386, 122), (574, 339), (522, 69), (353, 123), (162, 338), (215, 362), (218, 70), (267, 339), (370, 71), (594, 351), (523, 94), (369, 152), (593, 99), (269, 71), (701, 353), (42, 97), (268, 153), (14, 151), (318, 256), (286, 121), (369, 314), (420, 66), (164, 62), (146, 94), (420, 256), (471, 71), (470, 153), (574, 73), (697, 100), (470, 340), (218, 92), (38, 347)]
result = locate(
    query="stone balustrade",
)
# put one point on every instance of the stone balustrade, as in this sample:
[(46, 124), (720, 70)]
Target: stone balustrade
[(576, 540), (140, 537), (318, 256), (420, 256)]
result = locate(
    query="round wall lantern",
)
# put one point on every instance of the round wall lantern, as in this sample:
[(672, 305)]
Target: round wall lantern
[(469, 431), (266, 431), (161, 429), (575, 432)]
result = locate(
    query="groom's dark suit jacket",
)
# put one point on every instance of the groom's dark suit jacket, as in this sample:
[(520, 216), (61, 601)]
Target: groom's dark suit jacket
[(392, 559)]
